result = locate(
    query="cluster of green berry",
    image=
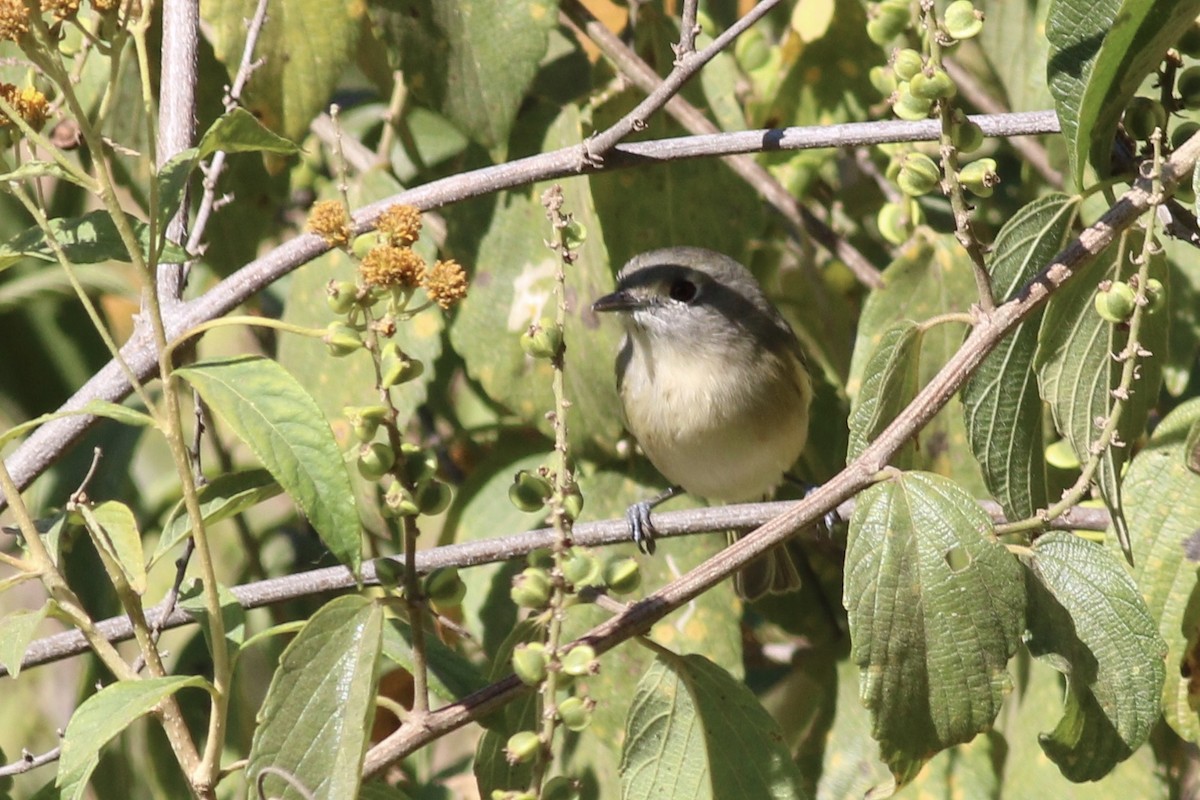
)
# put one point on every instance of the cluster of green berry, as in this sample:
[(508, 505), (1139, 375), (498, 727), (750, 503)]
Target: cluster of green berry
[(1116, 300)]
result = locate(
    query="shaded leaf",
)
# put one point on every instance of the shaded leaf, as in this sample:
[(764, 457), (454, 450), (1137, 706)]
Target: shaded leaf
[(233, 616), (1163, 508), (694, 731), (115, 533), (1000, 400), (451, 675), (271, 412), (1100, 52), (225, 496), (317, 714), (16, 632), (1087, 619), (89, 239), (99, 408), (890, 383), (936, 609)]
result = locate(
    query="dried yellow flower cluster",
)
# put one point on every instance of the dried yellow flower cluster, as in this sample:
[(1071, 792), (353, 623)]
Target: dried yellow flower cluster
[(386, 265), (28, 102), (400, 224), (446, 283), (329, 220), (61, 9), (14, 20)]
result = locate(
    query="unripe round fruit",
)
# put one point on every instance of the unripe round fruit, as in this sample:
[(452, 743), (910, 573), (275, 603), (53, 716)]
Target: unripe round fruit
[(396, 367), (542, 339), (419, 463), (919, 175), (888, 22), (580, 661), (883, 79), (342, 339), (433, 498), (341, 296), (935, 86), (752, 50), (374, 460), (1116, 304), (1143, 116), (909, 107), (962, 20), (1182, 132), (529, 663), (529, 491), (1187, 84), (531, 589), (622, 574), (581, 567), (445, 588), (893, 223), (575, 713), (1189, 42), (573, 502), (967, 136), (522, 747), (1156, 296), (907, 64), (980, 177)]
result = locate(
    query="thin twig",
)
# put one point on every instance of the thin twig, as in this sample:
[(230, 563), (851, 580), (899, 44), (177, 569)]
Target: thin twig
[(47, 444), (667, 524)]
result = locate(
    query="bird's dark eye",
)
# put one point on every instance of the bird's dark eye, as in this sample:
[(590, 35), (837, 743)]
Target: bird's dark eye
[(683, 290)]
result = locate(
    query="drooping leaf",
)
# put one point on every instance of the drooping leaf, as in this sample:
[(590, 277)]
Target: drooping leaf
[(693, 731), (317, 714), (225, 496), (1163, 508), (889, 385), (471, 60), (115, 534), (1087, 619), (104, 715), (1100, 52), (271, 412), (89, 239), (936, 608), (1001, 402), (99, 408)]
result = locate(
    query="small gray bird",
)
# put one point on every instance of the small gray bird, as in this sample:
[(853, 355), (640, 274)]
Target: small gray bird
[(714, 386)]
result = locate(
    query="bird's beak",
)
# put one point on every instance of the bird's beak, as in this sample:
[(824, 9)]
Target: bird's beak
[(620, 300)]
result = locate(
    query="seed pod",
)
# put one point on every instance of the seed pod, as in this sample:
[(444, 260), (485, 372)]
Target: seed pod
[(1116, 305), (531, 589), (433, 497), (445, 588), (1187, 84), (980, 176), (580, 661), (907, 64), (909, 107), (529, 491), (622, 574), (576, 713)]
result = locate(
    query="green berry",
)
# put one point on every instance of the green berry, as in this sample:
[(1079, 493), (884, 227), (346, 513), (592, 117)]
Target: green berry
[(580, 661), (1189, 42), (363, 243), (433, 498), (529, 492), (892, 222), (907, 64), (1182, 132), (374, 460), (967, 136), (581, 567), (963, 21), (1143, 116), (522, 747), (396, 367), (1116, 303), (342, 339), (886, 21), (365, 420), (399, 502), (622, 574), (919, 175), (529, 662), (909, 107), (576, 713), (542, 339), (419, 463), (936, 85), (980, 177), (752, 50), (574, 234), (1187, 84), (573, 501), (445, 588), (531, 589), (341, 296), (1156, 296), (883, 79), (542, 557)]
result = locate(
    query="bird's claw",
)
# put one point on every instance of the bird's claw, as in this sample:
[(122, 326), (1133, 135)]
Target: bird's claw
[(640, 526)]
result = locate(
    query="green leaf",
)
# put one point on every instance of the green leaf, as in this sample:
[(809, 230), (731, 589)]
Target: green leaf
[(225, 496), (1100, 52), (1016, 48), (99, 408), (89, 239), (104, 715), (1002, 407), (16, 632), (271, 412), (239, 131), (470, 60), (191, 599), (305, 47), (694, 731), (1163, 509), (936, 609), (1088, 621), (492, 770), (889, 385), (512, 287), (451, 675), (1076, 369), (317, 714), (115, 533), (41, 169)]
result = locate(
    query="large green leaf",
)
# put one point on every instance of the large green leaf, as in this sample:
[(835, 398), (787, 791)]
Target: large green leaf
[(1001, 401), (1087, 619), (695, 732), (317, 714), (1076, 369), (936, 608), (471, 60), (1100, 52), (1164, 515), (104, 715), (304, 48), (272, 413), (1016, 47), (513, 286)]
